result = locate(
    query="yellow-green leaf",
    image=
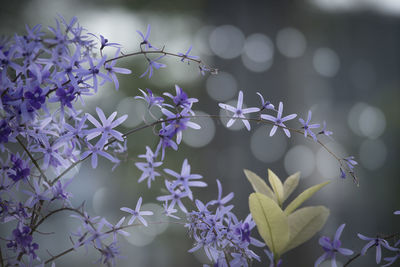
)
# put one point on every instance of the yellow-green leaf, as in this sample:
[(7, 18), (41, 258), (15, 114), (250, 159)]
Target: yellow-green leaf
[(276, 185), (304, 223), (306, 194), (272, 223), (258, 184), (290, 185)]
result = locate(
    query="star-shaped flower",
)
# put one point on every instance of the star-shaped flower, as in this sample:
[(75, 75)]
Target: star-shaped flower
[(279, 120), (137, 213), (332, 247), (238, 112), (307, 127)]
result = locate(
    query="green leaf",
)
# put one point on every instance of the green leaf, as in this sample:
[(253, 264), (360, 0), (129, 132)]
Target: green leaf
[(306, 194), (276, 185), (290, 185), (305, 223), (258, 184), (271, 222)]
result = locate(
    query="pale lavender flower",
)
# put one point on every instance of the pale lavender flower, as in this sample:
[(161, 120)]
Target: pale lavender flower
[(150, 98), (238, 112), (186, 56), (106, 126), (148, 167), (116, 229), (145, 41), (111, 71), (378, 243), (324, 131), (175, 196), (332, 247), (279, 120), (94, 151), (153, 64), (221, 201), (137, 214), (307, 127), (265, 104), (183, 179)]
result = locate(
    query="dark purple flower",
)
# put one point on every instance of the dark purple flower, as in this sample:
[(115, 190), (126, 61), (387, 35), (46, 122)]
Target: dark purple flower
[(36, 98), (5, 131), (21, 241), (181, 99), (19, 170)]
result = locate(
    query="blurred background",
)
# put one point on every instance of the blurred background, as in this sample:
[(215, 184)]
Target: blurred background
[(338, 58)]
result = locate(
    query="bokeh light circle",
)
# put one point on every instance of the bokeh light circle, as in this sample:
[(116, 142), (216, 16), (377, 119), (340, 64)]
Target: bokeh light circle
[(265, 148), (300, 158), (373, 154), (326, 62), (226, 41), (221, 87), (203, 136), (291, 42)]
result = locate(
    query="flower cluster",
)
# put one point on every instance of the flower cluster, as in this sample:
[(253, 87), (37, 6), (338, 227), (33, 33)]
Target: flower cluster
[(223, 237), (278, 121)]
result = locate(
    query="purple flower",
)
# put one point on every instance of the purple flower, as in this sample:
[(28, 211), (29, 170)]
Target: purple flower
[(175, 196), (186, 56), (145, 41), (279, 120), (238, 112), (183, 179), (181, 122), (104, 42), (109, 253), (36, 98), (307, 127), (106, 128), (94, 151), (221, 201), (5, 131), (397, 212), (153, 64), (378, 242), (166, 134), (324, 131), (265, 104), (150, 98), (21, 241), (332, 247), (270, 256), (19, 170), (148, 167), (137, 214), (350, 162), (116, 229), (181, 99), (111, 70)]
